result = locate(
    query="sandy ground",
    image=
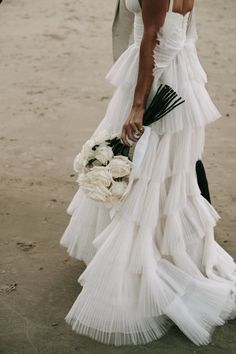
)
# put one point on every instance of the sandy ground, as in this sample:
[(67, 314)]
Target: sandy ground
[(54, 56)]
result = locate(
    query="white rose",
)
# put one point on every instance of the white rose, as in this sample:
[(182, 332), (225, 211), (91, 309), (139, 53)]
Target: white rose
[(95, 163), (103, 153), (97, 174), (96, 183), (118, 188), (101, 136), (86, 154), (79, 163), (119, 166), (99, 193), (90, 143)]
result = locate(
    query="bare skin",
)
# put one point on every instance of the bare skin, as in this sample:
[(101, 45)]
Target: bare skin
[(153, 14)]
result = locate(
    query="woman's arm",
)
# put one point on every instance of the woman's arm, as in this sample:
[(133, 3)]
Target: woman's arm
[(153, 13)]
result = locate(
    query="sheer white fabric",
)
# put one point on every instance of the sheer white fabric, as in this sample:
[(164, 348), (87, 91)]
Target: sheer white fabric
[(155, 262)]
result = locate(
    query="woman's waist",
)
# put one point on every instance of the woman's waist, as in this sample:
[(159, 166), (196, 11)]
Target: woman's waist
[(125, 69)]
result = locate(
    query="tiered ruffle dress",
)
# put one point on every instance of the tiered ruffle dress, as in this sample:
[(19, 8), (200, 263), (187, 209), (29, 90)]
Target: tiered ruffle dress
[(153, 261)]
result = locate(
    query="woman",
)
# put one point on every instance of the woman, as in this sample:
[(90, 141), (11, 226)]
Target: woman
[(153, 262), (122, 36)]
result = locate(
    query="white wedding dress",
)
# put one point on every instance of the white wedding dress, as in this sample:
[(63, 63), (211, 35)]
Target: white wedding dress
[(153, 262)]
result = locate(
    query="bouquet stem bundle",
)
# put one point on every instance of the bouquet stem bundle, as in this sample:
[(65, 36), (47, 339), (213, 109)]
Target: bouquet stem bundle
[(164, 101)]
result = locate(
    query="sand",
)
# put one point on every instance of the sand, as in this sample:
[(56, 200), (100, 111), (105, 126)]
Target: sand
[(54, 57)]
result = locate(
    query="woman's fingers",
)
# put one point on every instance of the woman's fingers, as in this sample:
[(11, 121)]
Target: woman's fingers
[(130, 132), (124, 135), (139, 126), (132, 128), (139, 121)]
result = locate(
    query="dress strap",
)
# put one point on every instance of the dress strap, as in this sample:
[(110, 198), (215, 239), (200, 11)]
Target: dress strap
[(171, 4)]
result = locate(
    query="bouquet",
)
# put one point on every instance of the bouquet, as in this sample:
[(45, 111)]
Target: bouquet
[(104, 164)]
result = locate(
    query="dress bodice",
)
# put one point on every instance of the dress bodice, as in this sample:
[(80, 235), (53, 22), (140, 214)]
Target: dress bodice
[(175, 23), (175, 56)]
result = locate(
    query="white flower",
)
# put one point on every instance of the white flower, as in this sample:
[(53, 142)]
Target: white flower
[(90, 143), (95, 163), (118, 189), (99, 193), (103, 153), (101, 136), (119, 166), (86, 154), (98, 174), (96, 183), (79, 163)]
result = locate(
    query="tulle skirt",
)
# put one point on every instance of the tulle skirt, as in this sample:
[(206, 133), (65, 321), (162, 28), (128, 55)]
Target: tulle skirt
[(153, 262)]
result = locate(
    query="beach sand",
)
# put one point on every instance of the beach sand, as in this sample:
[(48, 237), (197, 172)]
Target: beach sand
[(54, 58)]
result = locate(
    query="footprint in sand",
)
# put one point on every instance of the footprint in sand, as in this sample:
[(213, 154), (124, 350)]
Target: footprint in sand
[(26, 246)]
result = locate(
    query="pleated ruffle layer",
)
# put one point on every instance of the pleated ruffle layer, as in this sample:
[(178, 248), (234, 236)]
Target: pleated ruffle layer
[(184, 74), (156, 262), (122, 308)]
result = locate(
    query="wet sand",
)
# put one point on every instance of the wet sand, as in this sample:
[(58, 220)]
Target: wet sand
[(54, 57)]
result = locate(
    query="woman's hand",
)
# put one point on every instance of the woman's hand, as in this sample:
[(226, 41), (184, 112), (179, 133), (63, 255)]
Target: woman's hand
[(133, 126)]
